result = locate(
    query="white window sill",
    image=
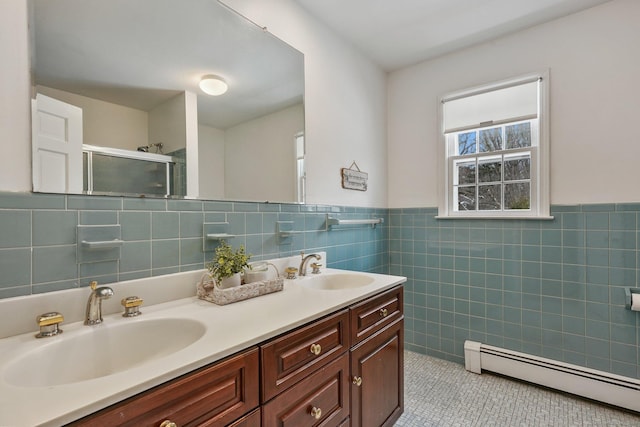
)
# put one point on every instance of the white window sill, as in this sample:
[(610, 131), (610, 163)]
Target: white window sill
[(540, 218)]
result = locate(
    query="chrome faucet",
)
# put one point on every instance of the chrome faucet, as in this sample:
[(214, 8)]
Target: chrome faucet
[(94, 304), (302, 271)]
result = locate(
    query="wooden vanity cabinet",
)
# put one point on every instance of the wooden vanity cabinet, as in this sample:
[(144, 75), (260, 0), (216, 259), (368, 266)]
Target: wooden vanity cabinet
[(216, 395)]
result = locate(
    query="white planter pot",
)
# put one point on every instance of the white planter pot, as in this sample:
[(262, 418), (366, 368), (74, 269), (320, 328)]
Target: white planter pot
[(259, 271), (231, 281)]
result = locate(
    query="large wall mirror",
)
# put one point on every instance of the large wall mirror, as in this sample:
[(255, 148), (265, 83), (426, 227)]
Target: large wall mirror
[(118, 107)]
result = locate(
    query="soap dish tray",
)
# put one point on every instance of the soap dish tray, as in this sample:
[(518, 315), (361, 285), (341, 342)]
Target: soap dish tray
[(208, 291)]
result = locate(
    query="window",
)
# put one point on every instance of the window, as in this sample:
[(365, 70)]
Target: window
[(301, 174), (496, 151)]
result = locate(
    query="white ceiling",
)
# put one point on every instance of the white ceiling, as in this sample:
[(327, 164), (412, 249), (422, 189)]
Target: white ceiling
[(398, 33)]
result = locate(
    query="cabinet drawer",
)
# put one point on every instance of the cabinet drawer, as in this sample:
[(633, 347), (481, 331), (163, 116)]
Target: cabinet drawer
[(374, 314), (324, 393), (214, 395), (289, 358)]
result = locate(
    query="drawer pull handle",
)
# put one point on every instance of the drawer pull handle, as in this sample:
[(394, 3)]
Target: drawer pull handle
[(357, 381), (168, 423), (316, 412), (383, 312), (315, 349)]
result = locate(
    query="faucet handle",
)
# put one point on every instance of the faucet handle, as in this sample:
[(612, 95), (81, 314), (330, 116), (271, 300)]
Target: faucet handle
[(131, 306), (93, 284), (291, 272), (48, 323), (316, 267)]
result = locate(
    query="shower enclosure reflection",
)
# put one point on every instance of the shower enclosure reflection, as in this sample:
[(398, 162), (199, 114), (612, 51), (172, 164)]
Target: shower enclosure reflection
[(110, 170)]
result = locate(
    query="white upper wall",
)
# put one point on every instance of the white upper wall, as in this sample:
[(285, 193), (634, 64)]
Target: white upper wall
[(594, 96), (593, 61), (345, 99), (345, 104), (15, 107), (168, 124), (211, 162), (260, 148)]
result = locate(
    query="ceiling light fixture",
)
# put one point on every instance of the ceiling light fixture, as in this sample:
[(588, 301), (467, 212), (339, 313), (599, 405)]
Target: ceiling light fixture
[(213, 85)]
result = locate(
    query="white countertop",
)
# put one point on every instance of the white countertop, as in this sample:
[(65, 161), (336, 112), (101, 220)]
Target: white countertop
[(230, 328)]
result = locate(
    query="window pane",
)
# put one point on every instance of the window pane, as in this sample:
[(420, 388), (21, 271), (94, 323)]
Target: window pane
[(518, 136), (490, 169), (466, 143), (489, 197), (490, 140), (516, 168), (517, 195), (465, 198), (465, 172)]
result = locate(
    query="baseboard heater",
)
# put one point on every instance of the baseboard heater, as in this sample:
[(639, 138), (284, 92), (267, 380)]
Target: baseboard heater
[(590, 383)]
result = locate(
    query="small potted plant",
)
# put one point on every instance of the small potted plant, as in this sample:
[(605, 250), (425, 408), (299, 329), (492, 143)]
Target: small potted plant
[(227, 265)]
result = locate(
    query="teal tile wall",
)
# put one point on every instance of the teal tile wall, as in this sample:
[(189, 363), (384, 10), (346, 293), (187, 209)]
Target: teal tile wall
[(549, 288), (38, 237)]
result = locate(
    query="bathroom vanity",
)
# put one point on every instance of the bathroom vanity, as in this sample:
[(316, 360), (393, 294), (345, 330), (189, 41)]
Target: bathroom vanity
[(343, 369), (321, 352)]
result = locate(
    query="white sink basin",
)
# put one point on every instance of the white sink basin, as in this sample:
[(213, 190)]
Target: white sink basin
[(98, 351), (336, 282)]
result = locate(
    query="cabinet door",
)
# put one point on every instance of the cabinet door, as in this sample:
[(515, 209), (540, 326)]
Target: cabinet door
[(377, 369), (321, 399), (374, 314), (289, 358), (212, 396)]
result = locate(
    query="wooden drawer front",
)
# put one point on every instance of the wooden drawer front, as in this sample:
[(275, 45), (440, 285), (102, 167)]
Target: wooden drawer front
[(374, 314), (288, 359), (250, 420), (214, 395), (327, 390), (345, 423), (378, 363)]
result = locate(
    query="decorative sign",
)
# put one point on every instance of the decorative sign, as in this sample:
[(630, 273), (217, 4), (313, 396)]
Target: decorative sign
[(354, 179)]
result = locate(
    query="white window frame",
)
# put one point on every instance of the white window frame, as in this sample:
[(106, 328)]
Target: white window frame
[(539, 202), (301, 173)]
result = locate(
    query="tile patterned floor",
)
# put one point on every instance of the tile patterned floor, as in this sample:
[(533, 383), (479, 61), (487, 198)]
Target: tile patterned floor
[(441, 393)]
